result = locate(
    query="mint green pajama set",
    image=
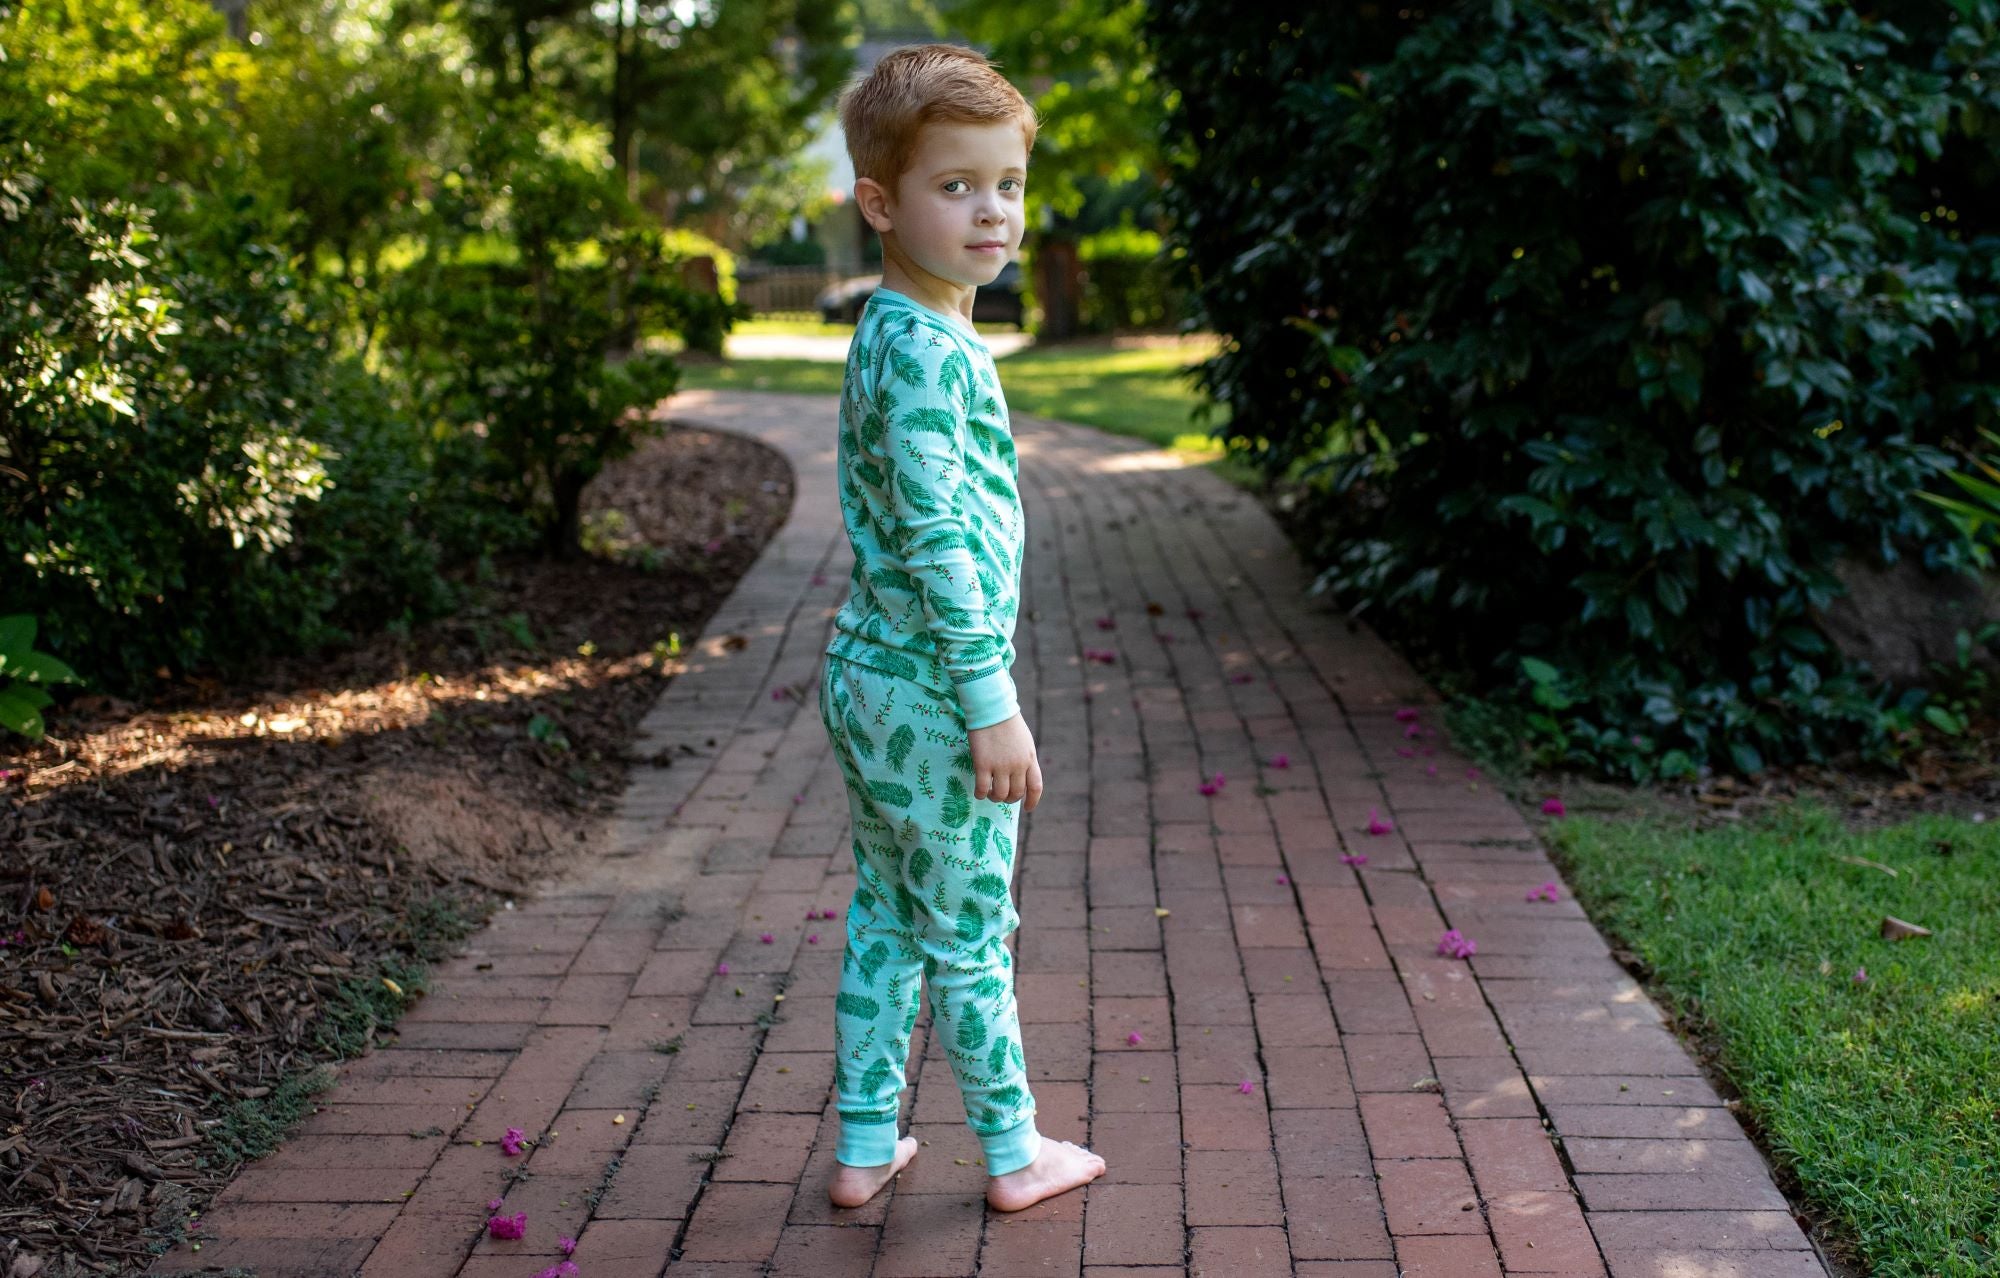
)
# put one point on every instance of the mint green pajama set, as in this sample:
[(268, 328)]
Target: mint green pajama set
[(921, 654)]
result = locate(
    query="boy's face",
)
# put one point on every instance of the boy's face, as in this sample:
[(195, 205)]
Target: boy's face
[(963, 191)]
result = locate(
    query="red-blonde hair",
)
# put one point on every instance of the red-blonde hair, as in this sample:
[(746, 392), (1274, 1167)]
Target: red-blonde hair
[(883, 112)]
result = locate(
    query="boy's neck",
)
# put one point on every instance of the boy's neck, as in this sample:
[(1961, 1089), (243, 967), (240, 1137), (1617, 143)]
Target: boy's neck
[(919, 285)]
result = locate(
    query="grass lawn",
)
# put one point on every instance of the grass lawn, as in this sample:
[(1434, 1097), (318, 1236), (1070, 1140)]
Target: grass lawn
[(1882, 1096), (1137, 392), (802, 327)]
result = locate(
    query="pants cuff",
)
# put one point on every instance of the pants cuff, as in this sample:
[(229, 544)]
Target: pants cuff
[(1012, 1149), (866, 1144)]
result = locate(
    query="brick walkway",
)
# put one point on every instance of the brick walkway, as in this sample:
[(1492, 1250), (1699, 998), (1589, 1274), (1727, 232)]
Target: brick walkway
[(1566, 1132)]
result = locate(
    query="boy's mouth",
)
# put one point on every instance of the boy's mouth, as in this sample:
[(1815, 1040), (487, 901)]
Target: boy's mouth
[(993, 245)]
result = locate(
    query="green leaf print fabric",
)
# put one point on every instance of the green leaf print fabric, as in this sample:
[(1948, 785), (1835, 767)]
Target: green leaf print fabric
[(931, 908), (929, 494)]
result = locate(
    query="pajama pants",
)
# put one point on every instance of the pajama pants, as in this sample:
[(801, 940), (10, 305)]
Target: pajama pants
[(932, 896)]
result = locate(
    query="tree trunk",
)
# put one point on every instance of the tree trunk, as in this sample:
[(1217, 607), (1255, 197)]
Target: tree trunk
[(1057, 286)]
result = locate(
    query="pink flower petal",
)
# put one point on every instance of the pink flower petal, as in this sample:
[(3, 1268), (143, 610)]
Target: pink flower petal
[(813, 939), (1552, 807), (765, 938), (1406, 713), (1860, 975), (493, 1204), (1246, 1086), (1135, 1037), (1431, 770), (1354, 858), (568, 1246), (722, 969), (1456, 946), (1281, 761), (508, 1227), (1376, 825), (1106, 623), (1284, 879)]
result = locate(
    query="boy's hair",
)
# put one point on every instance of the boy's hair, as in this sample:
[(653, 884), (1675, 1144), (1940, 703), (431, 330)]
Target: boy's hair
[(883, 112)]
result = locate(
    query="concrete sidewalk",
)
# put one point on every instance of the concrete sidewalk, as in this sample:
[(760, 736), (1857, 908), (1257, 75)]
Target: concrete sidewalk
[(1313, 1089)]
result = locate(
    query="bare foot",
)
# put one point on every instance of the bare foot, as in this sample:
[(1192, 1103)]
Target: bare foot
[(853, 1186), (1060, 1166)]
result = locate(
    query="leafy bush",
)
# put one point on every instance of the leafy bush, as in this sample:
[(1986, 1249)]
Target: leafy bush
[(1979, 518), (23, 672), (508, 345), (1594, 336), (169, 414), (1127, 283)]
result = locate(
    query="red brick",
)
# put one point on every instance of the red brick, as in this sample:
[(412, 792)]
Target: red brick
[(1117, 1086), (1448, 1256), (737, 1222), (1138, 1149), (1543, 1232), (1217, 1116), (1682, 1231), (1385, 1062), (1223, 1252), (1413, 1125), (1123, 1224), (1335, 1218), (1295, 1020), (1308, 1078), (1511, 1155), (824, 1251), (767, 1147), (1233, 1187), (1429, 1196)]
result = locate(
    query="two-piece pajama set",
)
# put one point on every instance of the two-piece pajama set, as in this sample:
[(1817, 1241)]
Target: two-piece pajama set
[(920, 655)]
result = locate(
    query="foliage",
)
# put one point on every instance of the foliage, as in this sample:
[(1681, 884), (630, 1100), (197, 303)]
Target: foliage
[(1127, 281), (23, 671), (1597, 333), (1978, 518), (510, 349), (1865, 1064), (1088, 73)]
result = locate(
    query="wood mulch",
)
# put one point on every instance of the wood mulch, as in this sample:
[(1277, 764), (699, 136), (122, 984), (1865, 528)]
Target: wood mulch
[(190, 884)]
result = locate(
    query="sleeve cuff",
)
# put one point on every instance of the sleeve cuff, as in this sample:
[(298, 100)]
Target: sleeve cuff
[(989, 699)]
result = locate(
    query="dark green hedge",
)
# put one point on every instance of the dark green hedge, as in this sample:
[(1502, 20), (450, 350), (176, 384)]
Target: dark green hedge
[(1597, 333)]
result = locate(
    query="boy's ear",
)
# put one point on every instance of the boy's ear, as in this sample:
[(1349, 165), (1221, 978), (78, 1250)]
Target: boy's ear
[(873, 200)]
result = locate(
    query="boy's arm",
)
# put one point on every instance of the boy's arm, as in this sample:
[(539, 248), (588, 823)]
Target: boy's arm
[(921, 391)]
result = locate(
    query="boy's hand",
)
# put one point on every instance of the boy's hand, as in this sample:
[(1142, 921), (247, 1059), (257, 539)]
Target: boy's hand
[(1004, 766)]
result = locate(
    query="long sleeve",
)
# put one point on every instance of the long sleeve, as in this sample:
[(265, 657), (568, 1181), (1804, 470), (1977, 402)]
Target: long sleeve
[(921, 405)]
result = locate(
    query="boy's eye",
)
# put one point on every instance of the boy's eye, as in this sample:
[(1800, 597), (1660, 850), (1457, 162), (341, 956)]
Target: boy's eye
[(962, 182)]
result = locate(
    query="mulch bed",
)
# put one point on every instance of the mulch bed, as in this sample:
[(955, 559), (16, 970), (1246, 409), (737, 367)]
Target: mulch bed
[(192, 886)]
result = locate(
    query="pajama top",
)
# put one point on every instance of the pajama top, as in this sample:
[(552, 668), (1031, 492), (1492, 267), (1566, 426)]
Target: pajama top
[(929, 494)]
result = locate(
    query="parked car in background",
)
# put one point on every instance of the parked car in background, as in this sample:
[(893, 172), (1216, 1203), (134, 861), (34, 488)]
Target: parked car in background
[(995, 303)]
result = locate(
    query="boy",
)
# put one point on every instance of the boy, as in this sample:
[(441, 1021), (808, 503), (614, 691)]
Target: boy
[(916, 695)]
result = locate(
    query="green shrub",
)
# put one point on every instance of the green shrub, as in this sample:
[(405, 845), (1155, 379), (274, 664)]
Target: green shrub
[(1597, 335), (509, 345), (172, 419), (1127, 282), (24, 673)]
